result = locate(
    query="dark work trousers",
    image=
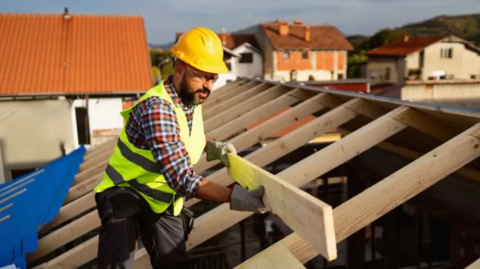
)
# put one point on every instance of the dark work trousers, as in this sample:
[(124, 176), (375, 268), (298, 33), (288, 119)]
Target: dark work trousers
[(125, 215)]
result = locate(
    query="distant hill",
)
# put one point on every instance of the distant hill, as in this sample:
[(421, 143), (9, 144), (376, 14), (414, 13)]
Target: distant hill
[(167, 46), (463, 26)]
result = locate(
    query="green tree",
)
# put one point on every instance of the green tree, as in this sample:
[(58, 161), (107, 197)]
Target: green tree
[(155, 73), (157, 57), (385, 37)]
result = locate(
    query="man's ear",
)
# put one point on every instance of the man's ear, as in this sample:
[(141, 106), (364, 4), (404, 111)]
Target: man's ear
[(179, 68)]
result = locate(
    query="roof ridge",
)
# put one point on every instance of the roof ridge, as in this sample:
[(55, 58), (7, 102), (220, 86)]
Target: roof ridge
[(71, 15)]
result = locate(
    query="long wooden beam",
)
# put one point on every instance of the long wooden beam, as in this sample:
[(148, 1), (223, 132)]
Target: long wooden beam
[(214, 102), (298, 209), (394, 190), (217, 98), (239, 98), (237, 110), (465, 172), (224, 89), (278, 257), (259, 113)]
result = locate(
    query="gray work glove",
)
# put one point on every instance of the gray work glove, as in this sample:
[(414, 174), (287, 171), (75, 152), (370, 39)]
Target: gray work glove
[(218, 151), (242, 199)]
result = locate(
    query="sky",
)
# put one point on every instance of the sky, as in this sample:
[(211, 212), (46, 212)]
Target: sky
[(164, 18)]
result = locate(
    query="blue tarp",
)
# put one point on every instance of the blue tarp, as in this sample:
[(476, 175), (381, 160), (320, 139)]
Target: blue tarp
[(33, 200)]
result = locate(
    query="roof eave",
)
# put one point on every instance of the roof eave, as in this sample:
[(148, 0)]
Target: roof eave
[(23, 95)]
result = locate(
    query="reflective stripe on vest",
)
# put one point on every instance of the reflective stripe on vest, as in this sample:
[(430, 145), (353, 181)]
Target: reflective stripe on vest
[(146, 164)]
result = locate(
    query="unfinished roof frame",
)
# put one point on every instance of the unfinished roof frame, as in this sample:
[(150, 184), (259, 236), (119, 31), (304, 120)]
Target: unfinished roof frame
[(455, 132)]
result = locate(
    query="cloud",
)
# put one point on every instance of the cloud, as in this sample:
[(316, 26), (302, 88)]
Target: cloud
[(164, 18)]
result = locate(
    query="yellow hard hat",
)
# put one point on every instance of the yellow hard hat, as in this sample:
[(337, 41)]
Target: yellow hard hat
[(201, 48)]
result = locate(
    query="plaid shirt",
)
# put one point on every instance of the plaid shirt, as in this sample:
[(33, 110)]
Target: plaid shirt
[(153, 125)]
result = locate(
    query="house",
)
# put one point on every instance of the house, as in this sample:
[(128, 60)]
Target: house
[(248, 60), (231, 59), (63, 79), (302, 52), (424, 57)]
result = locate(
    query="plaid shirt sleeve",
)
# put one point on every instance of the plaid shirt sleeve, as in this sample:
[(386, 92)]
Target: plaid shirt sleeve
[(162, 133)]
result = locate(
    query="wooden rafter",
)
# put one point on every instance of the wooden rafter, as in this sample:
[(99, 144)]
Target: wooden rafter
[(394, 190), (228, 114)]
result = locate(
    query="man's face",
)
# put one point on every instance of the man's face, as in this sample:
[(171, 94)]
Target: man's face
[(195, 86)]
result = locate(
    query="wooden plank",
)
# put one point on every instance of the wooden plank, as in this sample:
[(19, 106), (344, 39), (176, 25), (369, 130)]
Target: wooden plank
[(298, 209), (394, 190), (233, 101), (237, 110), (225, 88), (277, 257), (71, 210), (216, 99), (259, 113)]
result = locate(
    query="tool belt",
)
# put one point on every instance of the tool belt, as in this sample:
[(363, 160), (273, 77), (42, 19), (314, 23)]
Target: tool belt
[(188, 218)]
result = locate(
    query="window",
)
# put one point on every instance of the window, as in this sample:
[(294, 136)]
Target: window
[(286, 55), (387, 73), (293, 75), (446, 53), (246, 58), (305, 55), (83, 131), (339, 76)]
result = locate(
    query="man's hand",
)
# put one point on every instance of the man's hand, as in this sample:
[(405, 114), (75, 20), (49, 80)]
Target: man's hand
[(242, 199), (219, 150)]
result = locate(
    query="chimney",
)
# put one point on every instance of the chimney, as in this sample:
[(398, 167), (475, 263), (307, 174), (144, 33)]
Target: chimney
[(307, 33), (283, 28), (66, 14), (223, 36), (297, 22), (405, 38)]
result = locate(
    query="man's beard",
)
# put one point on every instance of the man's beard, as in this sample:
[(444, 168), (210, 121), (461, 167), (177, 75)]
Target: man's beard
[(188, 95)]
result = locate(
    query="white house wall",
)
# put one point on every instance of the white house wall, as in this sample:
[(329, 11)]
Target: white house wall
[(249, 69), (103, 114), (31, 132), (224, 79)]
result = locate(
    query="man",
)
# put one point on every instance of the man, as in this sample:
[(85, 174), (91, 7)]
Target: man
[(150, 173)]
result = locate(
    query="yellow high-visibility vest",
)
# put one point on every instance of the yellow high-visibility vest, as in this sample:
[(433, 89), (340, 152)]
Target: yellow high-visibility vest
[(130, 166)]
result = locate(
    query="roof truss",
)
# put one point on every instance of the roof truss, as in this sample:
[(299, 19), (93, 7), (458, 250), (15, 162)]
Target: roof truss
[(440, 141)]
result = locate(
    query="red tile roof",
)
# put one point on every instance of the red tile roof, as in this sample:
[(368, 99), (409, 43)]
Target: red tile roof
[(48, 54), (323, 37), (405, 47), (233, 40)]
